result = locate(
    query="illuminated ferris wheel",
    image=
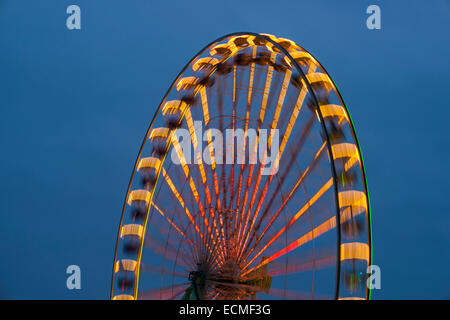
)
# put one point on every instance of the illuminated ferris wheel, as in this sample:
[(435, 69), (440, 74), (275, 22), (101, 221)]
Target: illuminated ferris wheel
[(249, 184)]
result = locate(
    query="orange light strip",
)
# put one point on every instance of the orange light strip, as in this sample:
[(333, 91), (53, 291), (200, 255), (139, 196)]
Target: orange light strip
[(287, 198), (255, 146), (280, 103), (267, 88), (252, 74), (321, 191), (216, 187), (192, 131), (198, 156), (204, 105), (293, 118), (282, 96), (177, 195), (177, 147), (247, 116), (174, 225), (284, 202), (289, 128), (314, 233), (168, 219), (354, 250)]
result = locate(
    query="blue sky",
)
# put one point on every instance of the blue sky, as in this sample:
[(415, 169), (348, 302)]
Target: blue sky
[(75, 106)]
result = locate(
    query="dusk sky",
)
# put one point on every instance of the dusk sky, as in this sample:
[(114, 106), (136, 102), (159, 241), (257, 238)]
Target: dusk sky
[(75, 106)]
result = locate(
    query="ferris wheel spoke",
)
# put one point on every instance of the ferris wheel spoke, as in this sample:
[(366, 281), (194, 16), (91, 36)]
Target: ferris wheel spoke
[(213, 168), (214, 295), (302, 265), (192, 132), (244, 212), (253, 79), (171, 223), (180, 199), (298, 145), (169, 292), (242, 289), (220, 92), (181, 157), (266, 88), (210, 219), (237, 83), (216, 255), (274, 194), (305, 173), (293, 119), (192, 238), (216, 237), (247, 212), (160, 270), (321, 191), (187, 233), (279, 105), (169, 253), (251, 166), (205, 109), (223, 294), (191, 247), (309, 236)]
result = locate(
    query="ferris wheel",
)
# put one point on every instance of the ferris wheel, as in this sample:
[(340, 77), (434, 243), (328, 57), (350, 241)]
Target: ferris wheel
[(249, 184)]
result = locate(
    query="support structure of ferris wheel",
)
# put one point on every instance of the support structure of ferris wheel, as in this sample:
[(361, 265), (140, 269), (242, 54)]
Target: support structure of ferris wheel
[(215, 229)]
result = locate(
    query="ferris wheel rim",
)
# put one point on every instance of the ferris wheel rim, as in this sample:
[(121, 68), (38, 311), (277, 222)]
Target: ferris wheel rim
[(362, 169)]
